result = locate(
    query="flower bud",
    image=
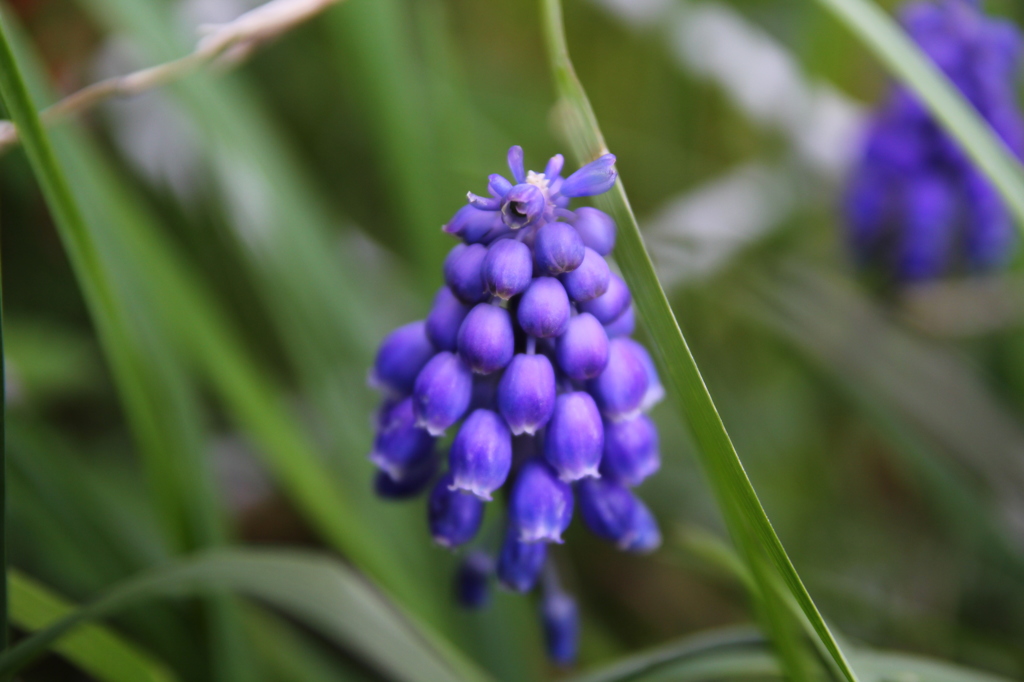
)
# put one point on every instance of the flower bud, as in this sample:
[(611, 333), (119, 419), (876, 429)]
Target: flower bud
[(486, 340), (481, 454), (508, 268), (442, 393), (473, 224), (595, 178), (582, 351), (630, 450), (620, 389), (589, 280), (575, 437), (557, 248), (540, 507), (655, 391), (472, 580), (412, 484), (544, 310), (526, 394), (623, 325), (611, 303), (497, 185), (561, 627), (596, 229), (401, 446), (462, 273), (614, 514), (402, 355), (454, 516), (520, 563), (646, 534), (445, 318), (515, 164), (523, 206), (554, 167)]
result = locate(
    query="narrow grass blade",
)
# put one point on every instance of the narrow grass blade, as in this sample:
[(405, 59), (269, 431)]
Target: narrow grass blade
[(635, 667), (732, 487), (318, 591), (93, 648), (880, 33)]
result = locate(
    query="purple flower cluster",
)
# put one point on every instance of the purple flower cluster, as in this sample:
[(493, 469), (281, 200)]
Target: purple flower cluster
[(526, 351), (916, 206)]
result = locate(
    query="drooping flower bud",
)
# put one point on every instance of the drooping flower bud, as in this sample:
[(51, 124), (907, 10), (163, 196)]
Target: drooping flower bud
[(655, 391), (540, 507), (508, 268), (486, 339), (594, 178), (520, 563), (596, 229), (472, 580), (402, 355), (561, 627), (473, 225), (575, 437), (481, 454), (412, 484), (401, 446), (523, 206), (462, 273), (646, 534), (630, 450), (544, 310), (454, 515), (611, 303), (589, 280), (445, 318), (620, 389), (442, 393), (582, 351), (526, 393), (557, 248), (613, 513)]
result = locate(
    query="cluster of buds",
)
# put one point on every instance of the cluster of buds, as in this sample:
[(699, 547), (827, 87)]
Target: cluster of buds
[(527, 345), (917, 207)]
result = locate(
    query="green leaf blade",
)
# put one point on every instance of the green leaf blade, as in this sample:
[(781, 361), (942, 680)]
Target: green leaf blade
[(93, 648)]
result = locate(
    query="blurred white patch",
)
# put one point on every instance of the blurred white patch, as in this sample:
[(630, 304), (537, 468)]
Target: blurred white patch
[(714, 41), (242, 479), (247, 199), (697, 233), (14, 392), (195, 13), (150, 130), (637, 12)]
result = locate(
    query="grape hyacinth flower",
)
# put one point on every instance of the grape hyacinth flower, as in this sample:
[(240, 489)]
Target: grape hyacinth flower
[(916, 206), (525, 354)]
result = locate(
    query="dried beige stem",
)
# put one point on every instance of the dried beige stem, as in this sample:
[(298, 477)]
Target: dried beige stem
[(228, 44)]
